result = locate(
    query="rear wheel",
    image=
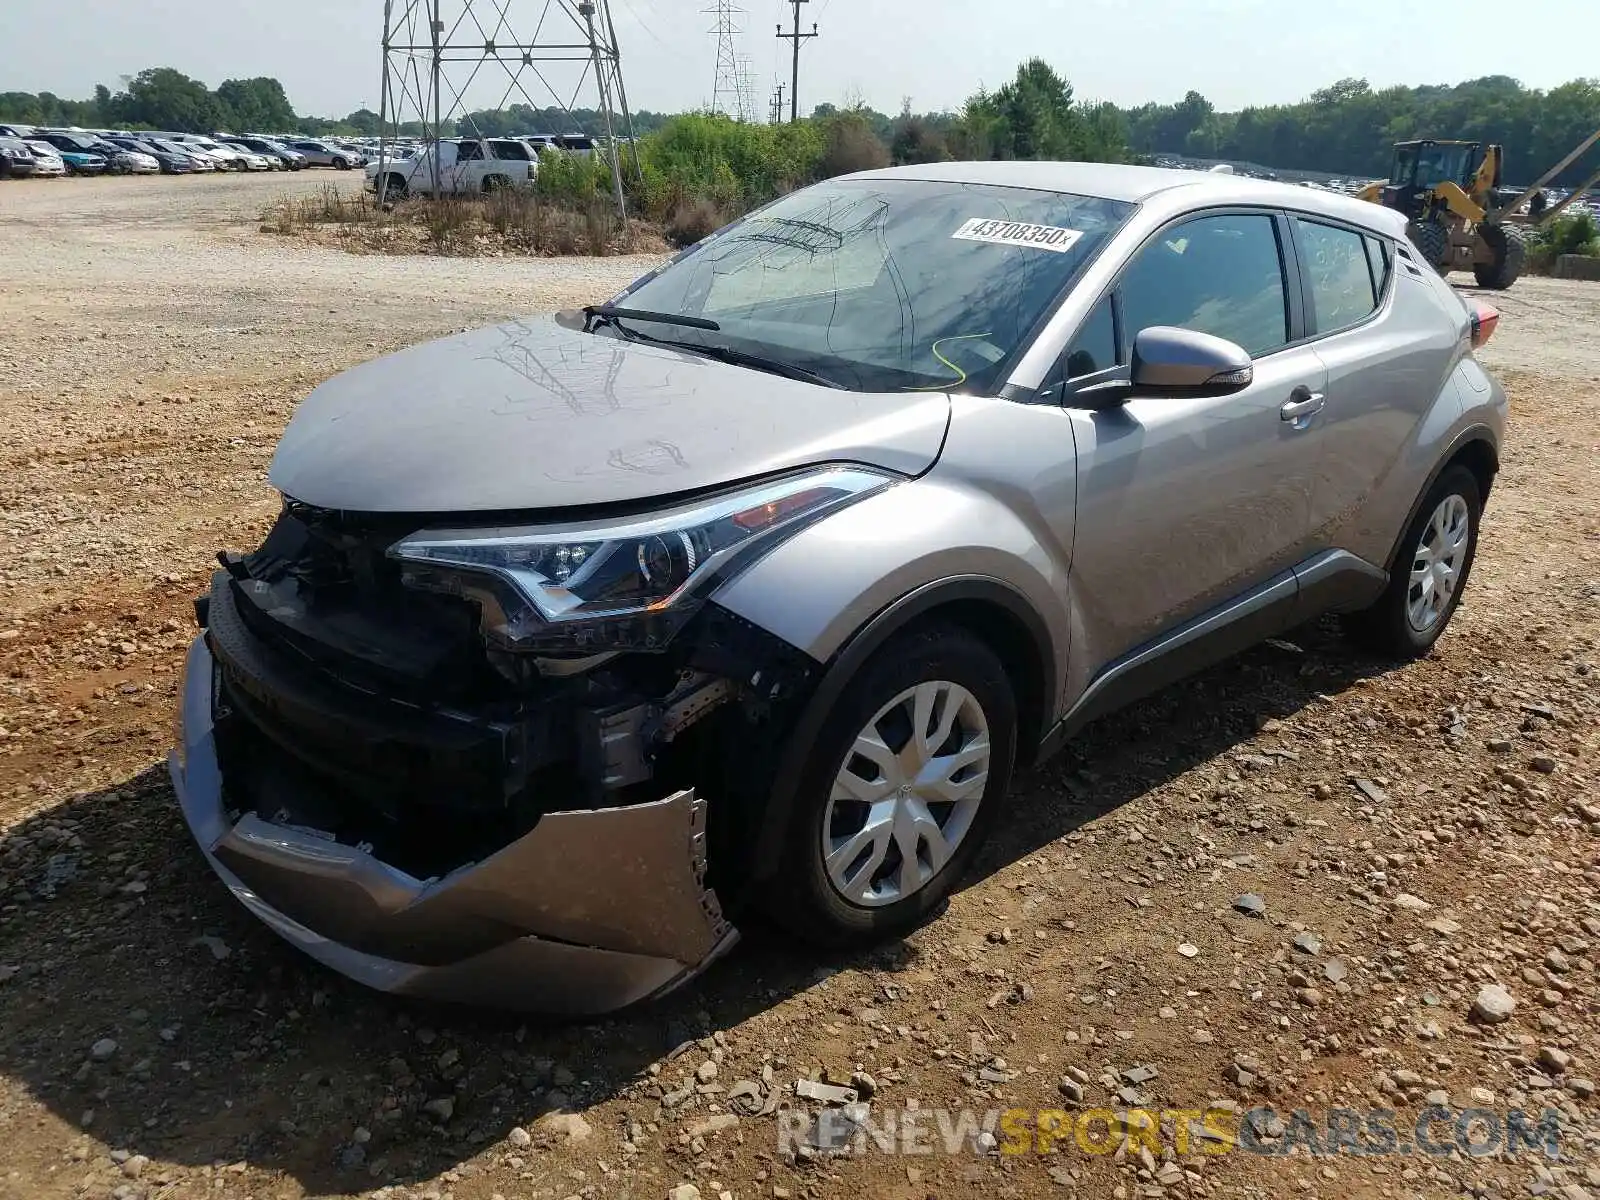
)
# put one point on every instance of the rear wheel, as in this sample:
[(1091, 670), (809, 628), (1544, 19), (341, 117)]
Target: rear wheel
[(1429, 572), (1510, 251), (394, 188), (1432, 241), (904, 783)]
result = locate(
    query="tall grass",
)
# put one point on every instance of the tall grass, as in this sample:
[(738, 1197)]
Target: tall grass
[(693, 175), (574, 219)]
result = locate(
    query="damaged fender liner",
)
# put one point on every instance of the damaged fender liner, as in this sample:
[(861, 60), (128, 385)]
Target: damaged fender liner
[(587, 913)]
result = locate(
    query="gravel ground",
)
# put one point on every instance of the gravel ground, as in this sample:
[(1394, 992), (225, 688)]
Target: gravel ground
[(1304, 880)]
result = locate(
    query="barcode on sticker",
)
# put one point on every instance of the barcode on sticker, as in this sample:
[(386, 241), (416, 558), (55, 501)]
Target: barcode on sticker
[(1018, 233)]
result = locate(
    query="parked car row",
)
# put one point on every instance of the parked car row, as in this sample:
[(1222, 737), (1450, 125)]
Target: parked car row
[(27, 151), (464, 163)]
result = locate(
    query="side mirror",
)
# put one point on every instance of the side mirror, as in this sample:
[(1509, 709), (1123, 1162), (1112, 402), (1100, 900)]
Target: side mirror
[(1186, 362)]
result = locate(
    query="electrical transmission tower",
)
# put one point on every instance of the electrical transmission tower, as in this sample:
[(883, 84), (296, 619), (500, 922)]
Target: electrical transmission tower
[(445, 59), (747, 89), (725, 94)]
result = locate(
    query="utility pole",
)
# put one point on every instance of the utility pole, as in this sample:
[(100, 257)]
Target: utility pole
[(796, 38), (777, 104)]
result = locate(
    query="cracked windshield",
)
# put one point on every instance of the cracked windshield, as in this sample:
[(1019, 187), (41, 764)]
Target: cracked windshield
[(884, 285)]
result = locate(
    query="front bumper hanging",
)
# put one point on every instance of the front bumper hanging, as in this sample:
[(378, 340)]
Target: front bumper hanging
[(588, 912)]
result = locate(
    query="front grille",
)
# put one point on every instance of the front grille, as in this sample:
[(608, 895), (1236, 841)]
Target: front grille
[(322, 586), (430, 787)]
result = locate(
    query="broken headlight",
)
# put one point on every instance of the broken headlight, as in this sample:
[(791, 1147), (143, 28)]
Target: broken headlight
[(627, 584)]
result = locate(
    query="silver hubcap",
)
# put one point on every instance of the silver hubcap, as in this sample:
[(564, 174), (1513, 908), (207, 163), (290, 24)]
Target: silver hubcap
[(906, 795), (1436, 565)]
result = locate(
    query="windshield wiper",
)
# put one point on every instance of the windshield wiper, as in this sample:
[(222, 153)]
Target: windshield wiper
[(759, 362), (727, 354), (610, 312)]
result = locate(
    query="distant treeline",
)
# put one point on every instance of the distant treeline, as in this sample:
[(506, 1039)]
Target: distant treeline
[(1346, 128)]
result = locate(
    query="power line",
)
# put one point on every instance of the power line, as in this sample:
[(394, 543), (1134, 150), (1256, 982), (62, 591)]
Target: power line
[(796, 38)]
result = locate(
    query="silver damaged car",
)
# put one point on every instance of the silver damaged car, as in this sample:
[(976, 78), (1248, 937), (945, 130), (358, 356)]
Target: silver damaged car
[(582, 638)]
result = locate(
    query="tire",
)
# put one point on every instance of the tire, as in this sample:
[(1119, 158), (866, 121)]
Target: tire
[(1510, 252), (1389, 626), (394, 188), (803, 897), (1432, 241), (494, 183)]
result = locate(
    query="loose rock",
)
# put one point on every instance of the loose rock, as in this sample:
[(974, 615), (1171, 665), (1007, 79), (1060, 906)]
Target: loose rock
[(1493, 1005)]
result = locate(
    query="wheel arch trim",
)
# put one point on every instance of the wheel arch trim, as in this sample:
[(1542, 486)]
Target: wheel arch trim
[(952, 593), (1459, 446)]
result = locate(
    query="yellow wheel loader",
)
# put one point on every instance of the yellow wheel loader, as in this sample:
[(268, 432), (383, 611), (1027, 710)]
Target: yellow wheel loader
[(1448, 192)]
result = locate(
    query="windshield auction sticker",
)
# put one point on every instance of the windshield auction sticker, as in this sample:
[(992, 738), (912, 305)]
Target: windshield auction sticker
[(1018, 233)]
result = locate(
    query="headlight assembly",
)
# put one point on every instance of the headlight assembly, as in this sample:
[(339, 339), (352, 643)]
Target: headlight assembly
[(627, 584)]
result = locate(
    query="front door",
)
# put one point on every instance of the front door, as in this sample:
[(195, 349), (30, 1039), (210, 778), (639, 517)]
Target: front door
[(1187, 503)]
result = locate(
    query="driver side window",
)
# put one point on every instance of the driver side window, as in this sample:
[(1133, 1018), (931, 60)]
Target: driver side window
[(1221, 275)]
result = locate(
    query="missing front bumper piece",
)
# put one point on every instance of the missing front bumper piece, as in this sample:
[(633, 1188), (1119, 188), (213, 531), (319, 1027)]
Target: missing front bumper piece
[(588, 912)]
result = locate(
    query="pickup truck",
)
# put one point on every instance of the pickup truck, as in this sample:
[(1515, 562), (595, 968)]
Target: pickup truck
[(465, 166)]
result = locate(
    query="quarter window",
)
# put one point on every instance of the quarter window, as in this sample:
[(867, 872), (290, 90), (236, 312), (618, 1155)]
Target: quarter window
[(1095, 347), (1381, 259), (1220, 275), (1343, 292)]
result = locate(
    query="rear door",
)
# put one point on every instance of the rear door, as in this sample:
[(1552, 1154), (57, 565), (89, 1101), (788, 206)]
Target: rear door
[(519, 156), (467, 173), (1387, 362), (1187, 503)]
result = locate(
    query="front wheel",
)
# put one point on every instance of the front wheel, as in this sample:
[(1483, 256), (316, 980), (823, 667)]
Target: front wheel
[(1429, 572), (904, 783)]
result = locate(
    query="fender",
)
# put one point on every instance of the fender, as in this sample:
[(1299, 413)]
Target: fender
[(1472, 433), (847, 664)]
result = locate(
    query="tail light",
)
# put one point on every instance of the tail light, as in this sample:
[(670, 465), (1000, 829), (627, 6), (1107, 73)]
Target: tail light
[(1485, 317)]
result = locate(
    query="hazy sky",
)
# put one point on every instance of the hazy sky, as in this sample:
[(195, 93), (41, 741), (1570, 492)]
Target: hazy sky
[(936, 52)]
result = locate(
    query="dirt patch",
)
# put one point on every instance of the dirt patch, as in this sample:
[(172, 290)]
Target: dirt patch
[(155, 1041)]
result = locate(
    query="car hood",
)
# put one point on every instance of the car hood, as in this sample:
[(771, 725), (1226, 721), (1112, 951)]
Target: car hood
[(530, 415)]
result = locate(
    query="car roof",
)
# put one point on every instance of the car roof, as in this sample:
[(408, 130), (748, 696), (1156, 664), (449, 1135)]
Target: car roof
[(1116, 181)]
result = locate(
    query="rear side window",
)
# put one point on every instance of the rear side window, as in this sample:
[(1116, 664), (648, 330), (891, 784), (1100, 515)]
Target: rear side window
[(510, 151), (1221, 275), (1339, 273)]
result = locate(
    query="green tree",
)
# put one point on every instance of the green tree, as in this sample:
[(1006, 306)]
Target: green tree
[(1348, 128), (162, 98), (1034, 116), (254, 104), (918, 140)]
